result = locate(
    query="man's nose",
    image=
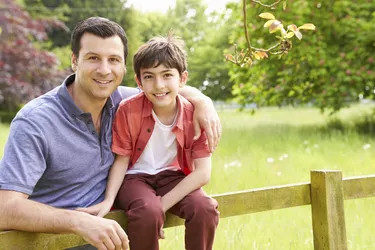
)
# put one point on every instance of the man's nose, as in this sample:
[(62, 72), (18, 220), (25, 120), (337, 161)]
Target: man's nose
[(104, 68)]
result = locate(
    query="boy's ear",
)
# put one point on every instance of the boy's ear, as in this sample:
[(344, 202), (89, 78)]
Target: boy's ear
[(138, 82), (183, 79), (74, 62)]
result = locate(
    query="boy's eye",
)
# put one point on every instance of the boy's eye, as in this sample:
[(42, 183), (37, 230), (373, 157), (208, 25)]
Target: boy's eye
[(168, 75), (147, 77)]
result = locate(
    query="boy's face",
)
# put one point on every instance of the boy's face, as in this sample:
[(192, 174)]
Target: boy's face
[(100, 66), (161, 85)]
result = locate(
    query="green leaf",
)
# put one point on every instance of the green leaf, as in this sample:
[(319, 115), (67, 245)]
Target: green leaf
[(284, 4), (267, 15), (307, 26)]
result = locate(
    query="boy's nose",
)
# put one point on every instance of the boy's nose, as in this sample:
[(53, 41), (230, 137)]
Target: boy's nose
[(159, 83)]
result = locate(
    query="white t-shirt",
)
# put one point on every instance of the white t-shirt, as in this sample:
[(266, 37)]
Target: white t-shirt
[(160, 152)]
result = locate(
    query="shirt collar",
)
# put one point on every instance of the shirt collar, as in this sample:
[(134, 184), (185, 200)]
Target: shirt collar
[(68, 102), (147, 110)]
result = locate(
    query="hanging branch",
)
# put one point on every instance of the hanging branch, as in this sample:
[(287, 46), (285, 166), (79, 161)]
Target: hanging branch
[(246, 56)]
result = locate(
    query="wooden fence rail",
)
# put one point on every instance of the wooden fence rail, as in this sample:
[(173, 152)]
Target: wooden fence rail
[(326, 194)]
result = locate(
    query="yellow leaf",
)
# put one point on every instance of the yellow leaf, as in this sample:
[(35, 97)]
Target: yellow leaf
[(290, 35), (268, 23), (267, 15), (292, 27), (256, 55), (275, 26), (307, 26), (263, 54), (298, 35)]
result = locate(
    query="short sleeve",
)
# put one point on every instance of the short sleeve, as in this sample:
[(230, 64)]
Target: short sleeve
[(24, 160), (121, 139), (127, 92), (200, 147)]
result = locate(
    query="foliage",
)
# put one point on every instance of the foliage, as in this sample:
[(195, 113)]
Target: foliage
[(71, 12), (330, 68), (25, 71), (284, 44), (206, 36)]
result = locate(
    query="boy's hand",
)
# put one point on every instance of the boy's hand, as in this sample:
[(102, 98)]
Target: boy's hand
[(100, 209), (206, 117)]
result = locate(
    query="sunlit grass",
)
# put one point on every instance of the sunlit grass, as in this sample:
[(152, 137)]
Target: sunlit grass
[(281, 146)]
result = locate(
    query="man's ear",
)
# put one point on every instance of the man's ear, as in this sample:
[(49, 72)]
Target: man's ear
[(138, 82), (183, 79), (74, 62)]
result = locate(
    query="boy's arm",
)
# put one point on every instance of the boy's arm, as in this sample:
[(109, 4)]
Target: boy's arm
[(115, 179), (196, 179), (205, 116)]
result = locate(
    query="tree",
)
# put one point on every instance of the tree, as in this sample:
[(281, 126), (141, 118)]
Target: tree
[(25, 71), (330, 68)]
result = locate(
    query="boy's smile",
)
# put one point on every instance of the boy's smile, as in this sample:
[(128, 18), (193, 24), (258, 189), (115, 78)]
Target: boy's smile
[(161, 85)]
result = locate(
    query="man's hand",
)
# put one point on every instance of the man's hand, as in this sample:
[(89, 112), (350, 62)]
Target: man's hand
[(104, 234), (206, 117), (101, 209)]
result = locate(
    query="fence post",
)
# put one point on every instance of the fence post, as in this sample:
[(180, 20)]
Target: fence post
[(327, 205)]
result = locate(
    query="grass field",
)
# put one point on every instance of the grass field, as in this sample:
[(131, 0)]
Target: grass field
[(281, 146)]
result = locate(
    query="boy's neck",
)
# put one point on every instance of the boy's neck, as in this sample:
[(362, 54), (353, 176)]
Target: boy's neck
[(166, 115)]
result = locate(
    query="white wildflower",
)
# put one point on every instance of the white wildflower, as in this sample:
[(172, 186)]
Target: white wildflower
[(366, 146), (233, 164), (270, 160)]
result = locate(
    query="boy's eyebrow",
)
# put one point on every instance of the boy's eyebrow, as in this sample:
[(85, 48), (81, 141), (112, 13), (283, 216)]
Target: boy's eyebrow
[(149, 72)]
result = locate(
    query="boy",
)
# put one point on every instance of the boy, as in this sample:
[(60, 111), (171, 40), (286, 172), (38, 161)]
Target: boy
[(153, 142)]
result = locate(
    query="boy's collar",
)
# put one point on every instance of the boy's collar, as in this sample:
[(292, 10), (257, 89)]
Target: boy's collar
[(147, 110)]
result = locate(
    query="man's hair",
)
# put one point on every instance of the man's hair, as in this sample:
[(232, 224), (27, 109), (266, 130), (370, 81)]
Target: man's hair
[(168, 51), (98, 26)]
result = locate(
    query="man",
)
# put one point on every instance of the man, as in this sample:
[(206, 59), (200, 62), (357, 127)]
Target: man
[(58, 152)]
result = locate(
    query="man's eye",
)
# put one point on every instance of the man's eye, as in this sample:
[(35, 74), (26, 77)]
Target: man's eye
[(93, 58), (168, 75), (114, 60)]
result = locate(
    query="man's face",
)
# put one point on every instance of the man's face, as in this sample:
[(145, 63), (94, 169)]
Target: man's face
[(100, 66)]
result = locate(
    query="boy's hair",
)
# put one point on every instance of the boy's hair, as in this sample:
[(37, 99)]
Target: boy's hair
[(168, 51), (98, 26)]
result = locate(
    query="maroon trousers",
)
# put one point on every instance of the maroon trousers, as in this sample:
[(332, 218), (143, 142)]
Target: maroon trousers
[(140, 195)]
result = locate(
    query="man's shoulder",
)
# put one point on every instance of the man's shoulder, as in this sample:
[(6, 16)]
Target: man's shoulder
[(44, 105), (133, 101)]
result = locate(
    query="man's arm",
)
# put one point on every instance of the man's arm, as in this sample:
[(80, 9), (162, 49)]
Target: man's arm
[(17, 212), (205, 116)]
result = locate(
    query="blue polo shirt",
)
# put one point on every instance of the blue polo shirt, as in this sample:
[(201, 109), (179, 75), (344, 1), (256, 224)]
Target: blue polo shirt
[(54, 154)]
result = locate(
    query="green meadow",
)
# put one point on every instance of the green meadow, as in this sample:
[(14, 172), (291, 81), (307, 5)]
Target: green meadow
[(277, 147), (280, 146)]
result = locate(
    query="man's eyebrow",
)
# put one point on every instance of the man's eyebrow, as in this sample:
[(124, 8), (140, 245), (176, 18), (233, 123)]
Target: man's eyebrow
[(96, 54)]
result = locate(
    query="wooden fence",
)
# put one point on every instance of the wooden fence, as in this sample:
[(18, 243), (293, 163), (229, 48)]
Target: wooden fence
[(325, 193)]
